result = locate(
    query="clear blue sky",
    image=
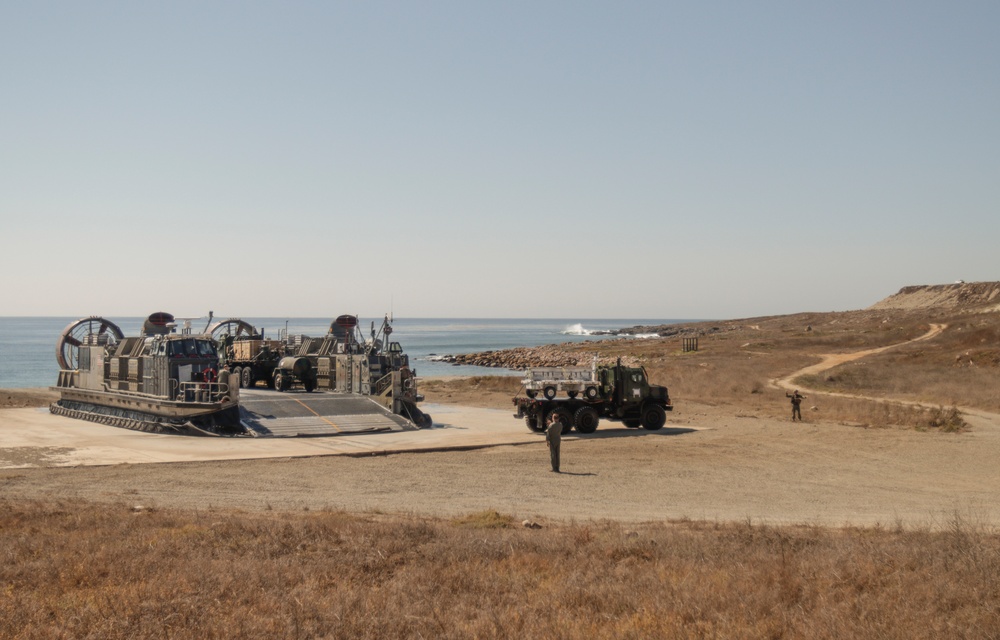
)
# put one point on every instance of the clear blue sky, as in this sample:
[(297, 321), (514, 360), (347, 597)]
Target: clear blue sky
[(540, 159)]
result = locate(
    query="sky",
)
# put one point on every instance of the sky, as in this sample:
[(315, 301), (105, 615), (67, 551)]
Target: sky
[(658, 160)]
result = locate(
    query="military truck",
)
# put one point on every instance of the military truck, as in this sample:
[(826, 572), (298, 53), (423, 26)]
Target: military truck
[(246, 353), (622, 394)]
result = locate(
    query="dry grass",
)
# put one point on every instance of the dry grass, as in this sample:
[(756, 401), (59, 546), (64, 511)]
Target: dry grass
[(872, 414), (483, 391), (83, 570)]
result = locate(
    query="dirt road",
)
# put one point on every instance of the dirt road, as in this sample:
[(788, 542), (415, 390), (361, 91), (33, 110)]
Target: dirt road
[(832, 360)]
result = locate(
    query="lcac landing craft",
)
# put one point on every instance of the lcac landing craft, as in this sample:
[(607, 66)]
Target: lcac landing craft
[(161, 381)]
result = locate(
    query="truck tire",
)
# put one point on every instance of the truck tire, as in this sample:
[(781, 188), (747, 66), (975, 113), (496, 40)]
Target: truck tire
[(572, 394), (586, 419), (532, 423), (549, 392), (238, 376), (632, 423), (246, 380), (531, 393), (590, 393), (653, 417), (279, 382)]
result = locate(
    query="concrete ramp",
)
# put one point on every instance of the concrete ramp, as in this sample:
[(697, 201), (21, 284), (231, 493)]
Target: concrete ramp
[(298, 414)]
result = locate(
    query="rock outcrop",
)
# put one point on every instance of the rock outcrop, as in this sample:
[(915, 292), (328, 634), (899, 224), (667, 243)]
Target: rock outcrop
[(984, 296), (520, 358)]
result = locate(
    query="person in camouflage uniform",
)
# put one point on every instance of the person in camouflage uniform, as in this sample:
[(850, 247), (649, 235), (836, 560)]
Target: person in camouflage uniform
[(796, 404), (553, 437)]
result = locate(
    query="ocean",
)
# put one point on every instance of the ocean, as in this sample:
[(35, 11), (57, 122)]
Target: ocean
[(28, 345)]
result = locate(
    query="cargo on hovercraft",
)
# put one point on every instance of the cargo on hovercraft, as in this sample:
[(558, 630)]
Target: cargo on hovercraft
[(161, 381), (345, 361), (245, 353)]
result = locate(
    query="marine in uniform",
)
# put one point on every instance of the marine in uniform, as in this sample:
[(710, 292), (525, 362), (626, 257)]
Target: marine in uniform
[(553, 437), (796, 402)]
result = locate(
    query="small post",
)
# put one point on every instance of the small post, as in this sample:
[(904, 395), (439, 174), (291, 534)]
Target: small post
[(689, 344)]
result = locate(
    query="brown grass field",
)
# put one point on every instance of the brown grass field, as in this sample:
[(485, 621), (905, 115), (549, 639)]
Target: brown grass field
[(85, 571), (81, 569)]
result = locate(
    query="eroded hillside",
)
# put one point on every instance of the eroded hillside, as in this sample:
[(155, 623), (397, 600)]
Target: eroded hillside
[(979, 296)]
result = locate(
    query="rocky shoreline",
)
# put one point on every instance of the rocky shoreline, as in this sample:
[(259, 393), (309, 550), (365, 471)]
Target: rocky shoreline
[(517, 358), (555, 355)]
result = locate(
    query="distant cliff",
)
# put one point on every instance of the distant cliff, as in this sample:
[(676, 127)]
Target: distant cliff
[(983, 296)]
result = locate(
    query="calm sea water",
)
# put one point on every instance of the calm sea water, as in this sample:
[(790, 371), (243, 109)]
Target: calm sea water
[(28, 345)]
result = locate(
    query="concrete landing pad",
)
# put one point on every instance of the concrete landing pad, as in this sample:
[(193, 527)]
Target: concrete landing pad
[(36, 438), (295, 414)]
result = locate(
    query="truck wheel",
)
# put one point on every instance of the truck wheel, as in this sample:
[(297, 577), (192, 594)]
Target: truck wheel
[(549, 392), (238, 376), (531, 393), (631, 423), (247, 378), (532, 423), (653, 417), (279, 382), (586, 419), (590, 393), (572, 394), (310, 385)]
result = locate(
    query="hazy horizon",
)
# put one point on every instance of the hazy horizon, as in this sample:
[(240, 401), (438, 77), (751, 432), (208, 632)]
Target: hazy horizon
[(533, 160)]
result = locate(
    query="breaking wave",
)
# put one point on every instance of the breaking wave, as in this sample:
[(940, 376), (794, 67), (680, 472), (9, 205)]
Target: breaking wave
[(576, 330), (579, 330)]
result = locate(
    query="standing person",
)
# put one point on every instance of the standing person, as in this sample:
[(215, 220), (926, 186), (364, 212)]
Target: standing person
[(553, 437), (796, 402)]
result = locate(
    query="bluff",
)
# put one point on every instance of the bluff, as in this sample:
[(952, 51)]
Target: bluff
[(979, 296)]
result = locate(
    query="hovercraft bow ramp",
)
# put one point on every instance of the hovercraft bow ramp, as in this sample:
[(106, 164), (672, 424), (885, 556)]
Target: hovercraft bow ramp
[(299, 414)]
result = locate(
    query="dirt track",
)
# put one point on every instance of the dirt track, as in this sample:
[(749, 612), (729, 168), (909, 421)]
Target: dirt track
[(832, 360)]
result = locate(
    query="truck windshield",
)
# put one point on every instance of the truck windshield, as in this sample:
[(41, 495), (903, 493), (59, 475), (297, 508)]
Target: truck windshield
[(206, 348)]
